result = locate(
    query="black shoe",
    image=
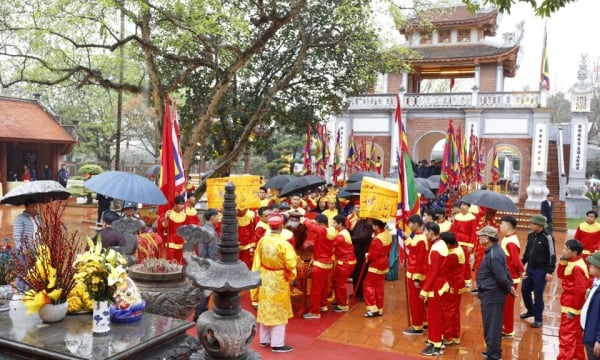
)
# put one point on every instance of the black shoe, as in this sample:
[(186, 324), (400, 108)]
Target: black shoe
[(526, 315), (537, 324), (282, 349), (264, 344), (474, 292), (484, 354), (412, 331), (431, 350)]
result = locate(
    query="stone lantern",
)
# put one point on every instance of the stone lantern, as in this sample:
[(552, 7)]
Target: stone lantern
[(226, 331)]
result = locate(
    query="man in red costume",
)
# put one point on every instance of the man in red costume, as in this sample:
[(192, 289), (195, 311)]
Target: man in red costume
[(322, 264), (573, 271), (433, 288), (588, 233), (191, 212), (168, 224), (453, 272), (377, 258), (353, 217), (246, 225), (345, 263), (464, 227), (416, 248), (262, 226), (512, 249)]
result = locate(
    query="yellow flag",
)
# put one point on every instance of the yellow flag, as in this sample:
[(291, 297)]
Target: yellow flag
[(378, 199), (246, 191)]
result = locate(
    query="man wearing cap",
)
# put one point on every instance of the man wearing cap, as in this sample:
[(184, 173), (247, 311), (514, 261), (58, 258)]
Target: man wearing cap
[(332, 209), (108, 235), (590, 313), (540, 259), (129, 208), (588, 233), (494, 283), (275, 259)]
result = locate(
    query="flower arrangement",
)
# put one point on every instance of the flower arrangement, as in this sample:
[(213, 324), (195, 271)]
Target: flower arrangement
[(44, 262), (593, 195), (102, 271)]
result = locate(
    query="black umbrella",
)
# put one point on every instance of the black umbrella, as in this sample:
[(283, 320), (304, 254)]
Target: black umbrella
[(301, 184), (353, 187), (424, 189), (279, 181), (42, 191), (360, 175), (348, 194), (490, 199)]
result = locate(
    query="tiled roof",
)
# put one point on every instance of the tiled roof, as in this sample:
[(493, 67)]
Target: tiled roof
[(27, 120), (452, 16), (449, 53)]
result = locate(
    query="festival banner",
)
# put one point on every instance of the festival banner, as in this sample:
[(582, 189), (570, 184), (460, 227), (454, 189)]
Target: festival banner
[(378, 199), (246, 191)]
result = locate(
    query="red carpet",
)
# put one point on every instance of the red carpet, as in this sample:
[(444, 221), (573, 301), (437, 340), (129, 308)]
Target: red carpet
[(302, 335)]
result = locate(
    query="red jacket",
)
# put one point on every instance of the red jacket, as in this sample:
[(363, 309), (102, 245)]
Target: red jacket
[(454, 269), (246, 227), (435, 282), (343, 248), (464, 227), (416, 249), (575, 282), (379, 251), (323, 244), (589, 236), (512, 249)]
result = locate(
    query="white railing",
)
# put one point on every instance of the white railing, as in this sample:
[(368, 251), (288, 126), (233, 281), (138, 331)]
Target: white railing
[(523, 99), (437, 100), (529, 99)]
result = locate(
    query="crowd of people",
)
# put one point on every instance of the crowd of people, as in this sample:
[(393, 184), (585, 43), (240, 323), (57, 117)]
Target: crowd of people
[(445, 257)]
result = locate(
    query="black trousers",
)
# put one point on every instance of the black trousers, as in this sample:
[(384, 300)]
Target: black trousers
[(492, 313), (589, 350)]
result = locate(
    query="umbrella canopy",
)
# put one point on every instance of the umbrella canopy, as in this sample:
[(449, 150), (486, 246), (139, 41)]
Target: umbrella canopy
[(126, 186), (353, 187), (279, 181), (42, 191), (348, 194), (360, 175), (435, 181), (423, 187), (490, 199), (301, 184)]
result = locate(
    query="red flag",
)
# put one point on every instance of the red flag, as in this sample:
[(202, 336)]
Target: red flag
[(495, 170), (172, 178), (337, 165)]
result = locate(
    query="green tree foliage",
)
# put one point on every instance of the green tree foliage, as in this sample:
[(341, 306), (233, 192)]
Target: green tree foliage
[(236, 66), (561, 108), (543, 8)]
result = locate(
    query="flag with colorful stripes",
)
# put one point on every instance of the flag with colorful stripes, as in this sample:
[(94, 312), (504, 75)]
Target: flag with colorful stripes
[(449, 171), (337, 165), (307, 155), (495, 167), (352, 155), (545, 71), (408, 197)]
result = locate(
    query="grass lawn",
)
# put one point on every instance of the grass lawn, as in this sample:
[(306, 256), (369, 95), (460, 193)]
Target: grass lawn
[(572, 224)]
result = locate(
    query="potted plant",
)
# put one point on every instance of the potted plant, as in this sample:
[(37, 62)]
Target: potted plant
[(594, 196), (6, 290), (102, 272), (44, 264)]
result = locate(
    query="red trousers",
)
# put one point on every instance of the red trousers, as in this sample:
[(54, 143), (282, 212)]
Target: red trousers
[(373, 291), (319, 289), (247, 257), (450, 304), (418, 313), (479, 253), (340, 278), (435, 320), (467, 268), (570, 344), (508, 322)]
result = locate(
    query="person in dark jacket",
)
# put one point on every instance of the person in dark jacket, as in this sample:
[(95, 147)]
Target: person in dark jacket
[(547, 207), (103, 205), (540, 259), (590, 313), (361, 237), (108, 236), (493, 284)]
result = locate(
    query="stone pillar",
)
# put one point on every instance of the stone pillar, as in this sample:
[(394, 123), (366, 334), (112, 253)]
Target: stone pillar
[(226, 331), (577, 203), (537, 189), (499, 77)]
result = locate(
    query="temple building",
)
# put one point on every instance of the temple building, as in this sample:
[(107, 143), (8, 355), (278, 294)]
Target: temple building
[(536, 156)]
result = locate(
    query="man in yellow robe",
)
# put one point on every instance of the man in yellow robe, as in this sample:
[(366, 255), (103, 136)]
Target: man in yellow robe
[(275, 258)]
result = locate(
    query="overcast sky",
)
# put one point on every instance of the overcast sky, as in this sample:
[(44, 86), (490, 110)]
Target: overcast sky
[(572, 31)]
